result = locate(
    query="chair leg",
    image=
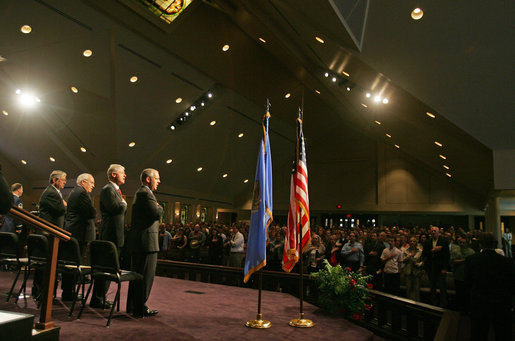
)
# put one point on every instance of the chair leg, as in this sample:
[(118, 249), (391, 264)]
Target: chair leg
[(116, 300), (76, 286), (85, 299), (23, 285), (14, 283)]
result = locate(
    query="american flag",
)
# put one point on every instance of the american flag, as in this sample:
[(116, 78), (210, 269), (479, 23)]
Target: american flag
[(298, 213)]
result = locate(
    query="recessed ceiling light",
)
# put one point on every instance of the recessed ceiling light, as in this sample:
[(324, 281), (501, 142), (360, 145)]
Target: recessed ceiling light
[(326, 74), (430, 115), (5, 113), (87, 53), (438, 144), (334, 79), (82, 149), (225, 48), (377, 99), (348, 88), (287, 95), (443, 157), (169, 161), (446, 167), (225, 175), (24, 162), (240, 135), (212, 123), (51, 159), (132, 144), (317, 91), (364, 105), (397, 146), (320, 40), (417, 14), (187, 113), (199, 169), (172, 127), (368, 95), (26, 29), (134, 79), (377, 122), (385, 100), (245, 181), (74, 89), (262, 40), (346, 73), (389, 136), (193, 107), (178, 100), (209, 94), (18, 91), (449, 175)]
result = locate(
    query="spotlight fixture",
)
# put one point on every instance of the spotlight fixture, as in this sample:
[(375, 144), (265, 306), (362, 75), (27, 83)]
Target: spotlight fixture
[(368, 95), (199, 169), (132, 144), (417, 14), (169, 161), (245, 181), (187, 113), (334, 79), (87, 53), (27, 99), (212, 123), (240, 135), (24, 162), (209, 95), (225, 48), (172, 127), (134, 79), (83, 149), (377, 99), (74, 89), (26, 29), (385, 100), (326, 74), (178, 100), (287, 95), (225, 175), (51, 159), (201, 103), (193, 107)]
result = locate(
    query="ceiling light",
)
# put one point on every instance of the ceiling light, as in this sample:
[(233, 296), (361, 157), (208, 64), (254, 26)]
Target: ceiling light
[(262, 40), (74, 89), (169, 161), (209, 94), (134, 79), (326, 74), (443, 157), (348, 88), (397, 146), (240, 135), (82, 149), (334, 79), (446, 167), (212, 123), (225, 48), (27, 100), (24, 162), (287, 95), (172, 127), (377, 122), (430, 115), (318, 92), (202, 103), (87, 53), (377, 99), (26, 29), (368, 95), (51, 159), (225, 175), (199, 169), (178, 100), (346, 73), (449, 175), (187, 114), (364, 105), (132, 144), (5, 113), (320, 40), (388, 135), (417, 14), (385, 100), (245, 181), (193, 107), (438, 144)]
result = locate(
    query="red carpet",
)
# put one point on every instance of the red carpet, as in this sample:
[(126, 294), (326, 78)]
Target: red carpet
[(194, 311)]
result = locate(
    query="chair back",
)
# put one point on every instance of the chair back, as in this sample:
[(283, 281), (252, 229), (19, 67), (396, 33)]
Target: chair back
[(8, 245), (104, 257), (37, 247), (69, 253)]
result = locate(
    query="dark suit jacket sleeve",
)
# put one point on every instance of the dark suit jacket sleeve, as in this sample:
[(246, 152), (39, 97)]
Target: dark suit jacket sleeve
[(86, 209), (151, 208), (6, 198), (52, 202), (111, 201)]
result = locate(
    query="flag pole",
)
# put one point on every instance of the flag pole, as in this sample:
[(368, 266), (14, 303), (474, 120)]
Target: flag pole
[(259, 323), (301, 322)]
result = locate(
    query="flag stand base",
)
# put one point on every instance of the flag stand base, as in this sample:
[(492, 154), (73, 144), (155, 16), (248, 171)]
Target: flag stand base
[(259, 323), (301, 322)]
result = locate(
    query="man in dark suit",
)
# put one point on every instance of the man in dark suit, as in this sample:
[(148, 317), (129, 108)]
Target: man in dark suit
[(436, 255), (112, 227), (9, 224), (52, 208), (144, 242), (491, 279), (6, 199), (80, 221)]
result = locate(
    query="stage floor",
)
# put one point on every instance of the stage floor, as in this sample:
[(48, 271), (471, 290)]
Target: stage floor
[(194, 311)]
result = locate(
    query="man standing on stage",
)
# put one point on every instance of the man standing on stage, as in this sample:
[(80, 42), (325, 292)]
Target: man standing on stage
[(112, 228), (144, 242), (80, 221)]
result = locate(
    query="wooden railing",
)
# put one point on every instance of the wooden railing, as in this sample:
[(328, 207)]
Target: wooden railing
[(393, 317), (55, 234)]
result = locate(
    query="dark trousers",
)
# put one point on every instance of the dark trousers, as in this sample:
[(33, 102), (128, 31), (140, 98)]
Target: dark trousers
[(392, 283), (101, 287), (139, 291), (437, 280), (482, 317)]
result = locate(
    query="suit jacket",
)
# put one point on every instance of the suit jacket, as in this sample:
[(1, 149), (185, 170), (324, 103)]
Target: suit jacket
[(439, 260), (9, 224), (491, 278), (146, 214), (80, 215), (51, 207), (6, 198), (113, 210)]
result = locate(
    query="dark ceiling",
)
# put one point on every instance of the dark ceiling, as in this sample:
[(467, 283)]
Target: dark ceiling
[(453, 63)]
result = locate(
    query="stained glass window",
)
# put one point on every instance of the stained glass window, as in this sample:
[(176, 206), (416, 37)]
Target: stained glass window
[(167, 10)]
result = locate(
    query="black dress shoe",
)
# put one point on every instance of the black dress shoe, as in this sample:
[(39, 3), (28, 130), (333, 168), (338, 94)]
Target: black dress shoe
[(69, 298), (106, 305), (150, 312)]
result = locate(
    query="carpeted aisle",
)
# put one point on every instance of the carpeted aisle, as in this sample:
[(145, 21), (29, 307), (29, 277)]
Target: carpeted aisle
[(194, 311)]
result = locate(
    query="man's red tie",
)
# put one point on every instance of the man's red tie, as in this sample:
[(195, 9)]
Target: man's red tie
[(120, 191)]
